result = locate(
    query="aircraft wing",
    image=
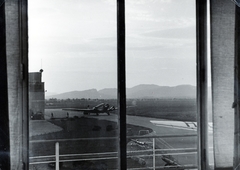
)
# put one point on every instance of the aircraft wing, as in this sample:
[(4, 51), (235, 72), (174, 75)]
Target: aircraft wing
[(79, 110), (115, 108), (102, 104)]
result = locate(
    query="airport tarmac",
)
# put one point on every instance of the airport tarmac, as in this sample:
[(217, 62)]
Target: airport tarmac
[(183, 157)]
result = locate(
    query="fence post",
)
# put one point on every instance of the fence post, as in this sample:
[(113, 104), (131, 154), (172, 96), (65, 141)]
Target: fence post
[(154, 154), (57, 155)]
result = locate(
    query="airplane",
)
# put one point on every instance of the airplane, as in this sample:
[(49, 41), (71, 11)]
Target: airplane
[(143, 145), (101, 108), (169, 158)]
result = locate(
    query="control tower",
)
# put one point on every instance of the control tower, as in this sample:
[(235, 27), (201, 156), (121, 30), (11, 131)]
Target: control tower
[(36, 96)]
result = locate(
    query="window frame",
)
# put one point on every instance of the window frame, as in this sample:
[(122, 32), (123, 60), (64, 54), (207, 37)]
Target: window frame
[(202, 84), (121, 74), (201, 81), (4, 121)]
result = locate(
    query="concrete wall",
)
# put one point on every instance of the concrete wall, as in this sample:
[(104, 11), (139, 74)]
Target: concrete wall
[(16, 49), (222, 51)]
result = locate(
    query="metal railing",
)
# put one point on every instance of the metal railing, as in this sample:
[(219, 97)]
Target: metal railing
[(149, 150)]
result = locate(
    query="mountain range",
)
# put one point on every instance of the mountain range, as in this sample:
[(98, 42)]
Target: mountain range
[(139, 91)]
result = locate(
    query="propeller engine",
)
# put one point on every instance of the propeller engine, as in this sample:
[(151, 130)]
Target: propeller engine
[(111, 108)]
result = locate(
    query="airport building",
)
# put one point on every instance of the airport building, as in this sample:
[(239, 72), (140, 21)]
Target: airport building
[(36, 96)]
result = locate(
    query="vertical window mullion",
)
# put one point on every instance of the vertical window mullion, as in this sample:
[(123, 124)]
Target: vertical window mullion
[(121, 82), (4, 120), (201, 24), (23, 33), (236, 161)]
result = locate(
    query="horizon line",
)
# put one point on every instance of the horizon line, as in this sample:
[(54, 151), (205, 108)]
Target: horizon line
[(116, 88)]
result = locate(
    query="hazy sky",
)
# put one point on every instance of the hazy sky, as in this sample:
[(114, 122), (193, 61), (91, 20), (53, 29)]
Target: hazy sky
[(75, 42)]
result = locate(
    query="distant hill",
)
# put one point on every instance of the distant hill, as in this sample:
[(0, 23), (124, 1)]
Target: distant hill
[(91, 93), (140, 91), (155, 91)]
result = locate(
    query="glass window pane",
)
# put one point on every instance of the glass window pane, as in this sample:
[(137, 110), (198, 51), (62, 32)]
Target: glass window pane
[(161, 81), (72, 65)]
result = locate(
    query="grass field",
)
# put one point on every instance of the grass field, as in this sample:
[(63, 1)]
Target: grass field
[(173, 109)]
